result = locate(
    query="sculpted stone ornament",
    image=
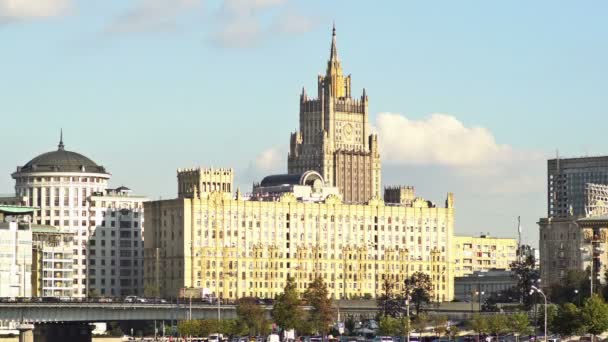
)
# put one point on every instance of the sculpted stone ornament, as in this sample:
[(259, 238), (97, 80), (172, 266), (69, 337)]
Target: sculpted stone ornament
[(604, 235), (588, 234)]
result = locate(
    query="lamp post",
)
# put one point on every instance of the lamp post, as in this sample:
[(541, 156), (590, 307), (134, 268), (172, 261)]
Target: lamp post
[(537, 290)]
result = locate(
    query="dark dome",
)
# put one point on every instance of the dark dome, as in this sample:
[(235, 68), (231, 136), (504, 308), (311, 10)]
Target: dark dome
[(62, 161), (305, 178)]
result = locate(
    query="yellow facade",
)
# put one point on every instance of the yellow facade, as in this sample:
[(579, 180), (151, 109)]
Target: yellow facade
[(482, 253), (239, 247)]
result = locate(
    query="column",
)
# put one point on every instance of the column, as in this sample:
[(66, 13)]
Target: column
[(26, 332)]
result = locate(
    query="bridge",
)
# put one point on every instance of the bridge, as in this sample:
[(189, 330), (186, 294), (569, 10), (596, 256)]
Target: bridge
[(69, 320)]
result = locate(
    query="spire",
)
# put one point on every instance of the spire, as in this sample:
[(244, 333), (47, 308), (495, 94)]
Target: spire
[(60, 146), (333, 56)]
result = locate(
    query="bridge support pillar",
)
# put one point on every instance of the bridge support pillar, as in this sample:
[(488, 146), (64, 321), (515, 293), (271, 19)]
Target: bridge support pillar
[(26, 332), (73, 332)]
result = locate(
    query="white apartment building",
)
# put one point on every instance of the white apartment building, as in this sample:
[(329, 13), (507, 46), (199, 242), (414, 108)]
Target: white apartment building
[(116, 245), (65, 186)]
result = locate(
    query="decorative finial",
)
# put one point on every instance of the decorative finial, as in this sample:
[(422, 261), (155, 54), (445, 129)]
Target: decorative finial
[(334, 29), (333, 54), (61, 146)]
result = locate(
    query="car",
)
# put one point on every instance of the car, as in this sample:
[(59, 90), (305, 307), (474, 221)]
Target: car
[(130, 299), (383, 339)]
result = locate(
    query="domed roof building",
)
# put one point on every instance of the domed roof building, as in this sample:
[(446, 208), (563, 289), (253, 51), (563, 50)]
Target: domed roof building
[(71, 193)]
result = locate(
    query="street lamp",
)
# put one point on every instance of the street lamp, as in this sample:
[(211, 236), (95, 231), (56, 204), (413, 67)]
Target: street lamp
[(537, 290)]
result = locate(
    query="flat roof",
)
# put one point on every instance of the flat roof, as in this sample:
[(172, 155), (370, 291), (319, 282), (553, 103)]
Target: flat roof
[(16, 209)]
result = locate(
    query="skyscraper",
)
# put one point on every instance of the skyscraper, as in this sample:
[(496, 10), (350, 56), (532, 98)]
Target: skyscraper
[(570, 184), (334, 138)]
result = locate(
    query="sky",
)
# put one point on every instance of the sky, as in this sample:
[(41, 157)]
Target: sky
[(470, 97)]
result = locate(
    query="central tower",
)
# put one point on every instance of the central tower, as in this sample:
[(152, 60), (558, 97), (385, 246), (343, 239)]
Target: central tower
[(334, 137)]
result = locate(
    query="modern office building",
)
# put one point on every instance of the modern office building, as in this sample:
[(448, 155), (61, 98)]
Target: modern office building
[(15, 251), (335, 138), (298, 226), (482, 253), (71, 193), (567, 184)]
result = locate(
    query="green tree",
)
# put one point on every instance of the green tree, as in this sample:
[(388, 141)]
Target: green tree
[(420, 322), (388, 302), (349, 324), (115, 330), (568, 321), (479, 324), (497, 325), (209, 326), (453, 332), (252, 315), (439, 323), (405, 326), (526, 274), (388, 326), (418, 287), (317, 296), (189, 328), (595, 315), (519, 323), (573, 288), (286, 311)]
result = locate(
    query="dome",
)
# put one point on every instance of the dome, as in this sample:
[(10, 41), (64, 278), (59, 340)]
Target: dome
[(306, 178), (62, 161)]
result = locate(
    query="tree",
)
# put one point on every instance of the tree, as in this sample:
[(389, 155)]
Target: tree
[(497, 325), (349, 324), (286, 311), (568, 321), (317, 296), (252, 315), (519, 323), (595, 315), (439, 323), (573, 288), (389, 326), (453, 332), (526, 274), (405, 326), (388, 302), (479, 324), (418, 287), (189, 328), (420, 322)]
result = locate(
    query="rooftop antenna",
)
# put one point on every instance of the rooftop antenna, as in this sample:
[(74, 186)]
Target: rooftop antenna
[(519, 253)]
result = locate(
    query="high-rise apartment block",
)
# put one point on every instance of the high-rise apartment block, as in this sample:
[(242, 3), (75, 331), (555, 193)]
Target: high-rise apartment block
[(335, 139), (482, 253)]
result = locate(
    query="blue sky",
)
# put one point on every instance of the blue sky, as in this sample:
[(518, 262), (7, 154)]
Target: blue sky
[(468, 96)]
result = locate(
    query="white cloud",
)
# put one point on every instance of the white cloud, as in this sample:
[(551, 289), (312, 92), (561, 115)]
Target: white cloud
[(438, 139), (246, 23), (15, 10), (271, 160), (470, 153), (152, 15)]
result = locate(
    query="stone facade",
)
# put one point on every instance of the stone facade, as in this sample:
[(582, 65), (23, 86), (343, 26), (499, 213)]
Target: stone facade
[(482, 253), (334, 138), (249, 246)]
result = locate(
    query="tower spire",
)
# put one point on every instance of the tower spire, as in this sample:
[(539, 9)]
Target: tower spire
[(60, 147), (333, 56)]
